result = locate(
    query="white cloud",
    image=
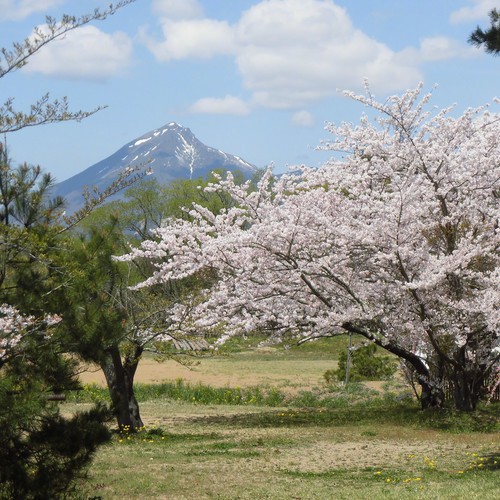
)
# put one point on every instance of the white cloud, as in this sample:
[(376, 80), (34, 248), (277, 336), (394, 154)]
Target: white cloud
[(177, 9), (14, 10), (479, 10), (228, 105), (290, 53), (196, 38), (439, 48), (303, 119), (294, 52), (84, 54)]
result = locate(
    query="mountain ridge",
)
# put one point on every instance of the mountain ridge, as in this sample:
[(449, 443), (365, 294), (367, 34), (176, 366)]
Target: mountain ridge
[(171, 152)]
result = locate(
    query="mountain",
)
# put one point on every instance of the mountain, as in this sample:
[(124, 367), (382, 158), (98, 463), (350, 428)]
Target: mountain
[(171, 151)]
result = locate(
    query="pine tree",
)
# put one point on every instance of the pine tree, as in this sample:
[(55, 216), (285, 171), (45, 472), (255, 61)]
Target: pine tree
[(489, 39), (41, 451)]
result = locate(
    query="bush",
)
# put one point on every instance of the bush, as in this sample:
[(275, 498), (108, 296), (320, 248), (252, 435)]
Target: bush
[(365, 365)]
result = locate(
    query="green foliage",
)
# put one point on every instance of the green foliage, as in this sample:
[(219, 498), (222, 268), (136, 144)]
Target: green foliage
[(366, 364), (41, 452), (95, 316), (112, 325), (490, 38), (148, 204)]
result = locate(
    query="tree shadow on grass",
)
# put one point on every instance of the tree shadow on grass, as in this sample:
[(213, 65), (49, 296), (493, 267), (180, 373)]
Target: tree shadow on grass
[(404, 415), (295, 418), (491, 461)]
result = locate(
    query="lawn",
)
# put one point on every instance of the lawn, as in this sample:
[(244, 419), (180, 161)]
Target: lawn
[(319, 442)]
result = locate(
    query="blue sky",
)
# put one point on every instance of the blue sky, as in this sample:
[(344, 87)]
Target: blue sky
[(257, 79)]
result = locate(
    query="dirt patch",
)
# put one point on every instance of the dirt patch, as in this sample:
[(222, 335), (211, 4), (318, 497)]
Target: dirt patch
[(323, 456)]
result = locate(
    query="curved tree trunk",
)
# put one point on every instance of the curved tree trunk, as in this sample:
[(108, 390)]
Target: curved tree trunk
[(431, 396), (120, 380)]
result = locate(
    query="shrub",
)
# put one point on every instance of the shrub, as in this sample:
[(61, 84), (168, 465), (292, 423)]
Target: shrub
[(366, 364)]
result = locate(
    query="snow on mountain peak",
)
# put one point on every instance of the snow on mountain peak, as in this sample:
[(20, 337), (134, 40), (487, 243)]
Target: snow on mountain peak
[(173, 150)]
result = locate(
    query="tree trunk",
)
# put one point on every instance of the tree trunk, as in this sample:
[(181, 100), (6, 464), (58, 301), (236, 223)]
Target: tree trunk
[(130, 366), (431, 396), (466, 392), (120, 381)]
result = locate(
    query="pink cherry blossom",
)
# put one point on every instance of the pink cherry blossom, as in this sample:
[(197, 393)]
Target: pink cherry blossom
[(395, 238), (14, 327)]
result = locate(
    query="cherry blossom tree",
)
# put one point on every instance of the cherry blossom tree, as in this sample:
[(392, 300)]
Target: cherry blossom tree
[(16, 328), (396, 238)]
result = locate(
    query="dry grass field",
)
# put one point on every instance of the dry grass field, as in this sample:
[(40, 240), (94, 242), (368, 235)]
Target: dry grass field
[(260, 367)]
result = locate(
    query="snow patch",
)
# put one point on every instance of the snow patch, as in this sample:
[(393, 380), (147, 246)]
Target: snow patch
[(141, 141)]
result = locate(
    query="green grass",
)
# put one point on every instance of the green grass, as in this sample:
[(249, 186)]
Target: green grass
[(353, 403), (322, 348), (280, 440), (196, 451), (180, 390)]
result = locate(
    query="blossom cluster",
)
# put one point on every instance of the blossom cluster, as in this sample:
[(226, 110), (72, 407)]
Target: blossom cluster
[(399, 237), (14, 327)]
